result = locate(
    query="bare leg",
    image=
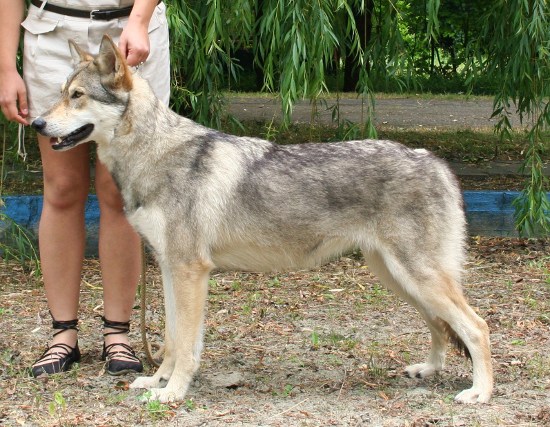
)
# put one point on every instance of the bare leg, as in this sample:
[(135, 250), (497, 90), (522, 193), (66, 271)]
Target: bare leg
[(119, 253), (61, 230)]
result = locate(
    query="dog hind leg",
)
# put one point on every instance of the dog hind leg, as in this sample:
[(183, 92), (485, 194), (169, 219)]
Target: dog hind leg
[(436, 359), (439, 299)]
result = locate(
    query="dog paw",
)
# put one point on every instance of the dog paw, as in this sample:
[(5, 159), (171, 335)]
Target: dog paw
[(420, 370), (145, 382), (473, 395), (165, 395)]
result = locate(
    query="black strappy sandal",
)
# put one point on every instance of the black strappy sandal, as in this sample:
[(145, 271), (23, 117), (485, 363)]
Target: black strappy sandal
[(59, 357), (119, 361)]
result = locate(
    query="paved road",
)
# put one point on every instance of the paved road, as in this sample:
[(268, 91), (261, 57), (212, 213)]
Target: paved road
[(392, 112), (405, 113)]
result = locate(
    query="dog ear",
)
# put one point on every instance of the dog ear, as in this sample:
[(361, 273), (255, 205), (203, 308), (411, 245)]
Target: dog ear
[(112, 65), (78, 54)]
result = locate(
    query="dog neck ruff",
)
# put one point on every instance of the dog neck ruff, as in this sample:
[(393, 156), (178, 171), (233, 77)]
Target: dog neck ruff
[(97, 14)]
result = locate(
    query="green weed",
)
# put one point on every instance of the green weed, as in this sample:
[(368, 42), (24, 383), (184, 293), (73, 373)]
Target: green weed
[(538, 366), (155, 409), (17, 244), (315, 340), (285, 392), (58, 407)]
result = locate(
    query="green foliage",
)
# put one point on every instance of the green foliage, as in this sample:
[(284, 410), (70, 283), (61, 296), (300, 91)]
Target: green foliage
[(58, 407), (204, 35), (294, 45), (156, 410), (514, 49), (298, 46), (16, 242)]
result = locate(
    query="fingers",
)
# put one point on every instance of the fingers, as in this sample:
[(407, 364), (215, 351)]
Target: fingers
[(13, 102), (123, 46), (134, 44), (136, 55), (23, 108)]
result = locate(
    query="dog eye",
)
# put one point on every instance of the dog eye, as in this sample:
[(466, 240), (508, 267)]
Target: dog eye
[(77, 94)]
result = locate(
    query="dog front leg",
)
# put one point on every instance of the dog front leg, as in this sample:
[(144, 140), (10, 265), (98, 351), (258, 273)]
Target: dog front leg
[(185, 332), (164, 372)]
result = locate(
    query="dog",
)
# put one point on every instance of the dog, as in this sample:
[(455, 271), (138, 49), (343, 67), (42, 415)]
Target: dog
[(203, 199)]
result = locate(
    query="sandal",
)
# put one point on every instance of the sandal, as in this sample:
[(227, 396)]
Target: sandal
[(59, 357), (119, 361)]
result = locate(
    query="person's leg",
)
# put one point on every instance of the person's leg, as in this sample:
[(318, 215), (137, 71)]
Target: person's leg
[(62, 233), (120, 257)]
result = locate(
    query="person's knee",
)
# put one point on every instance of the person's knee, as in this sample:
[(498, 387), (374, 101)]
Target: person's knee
[(65, 192), (109, 197)]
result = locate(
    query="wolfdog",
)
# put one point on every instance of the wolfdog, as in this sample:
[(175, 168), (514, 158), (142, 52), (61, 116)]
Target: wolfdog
[(203, 199)]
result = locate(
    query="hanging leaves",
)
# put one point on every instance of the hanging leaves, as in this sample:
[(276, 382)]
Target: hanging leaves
[(514, 49), (296, 42)]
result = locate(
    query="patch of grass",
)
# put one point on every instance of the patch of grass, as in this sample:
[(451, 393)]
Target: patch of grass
[(332, 340), (332, 360), (375, 371), (275, 281), (18, 244), (341, 342), (116, 398), (296, 360), (315, 340), (468, 145), (285, 392), (7, 359), (236, 286), (190, 405), (542, 265), (538, 366), (155, 409)]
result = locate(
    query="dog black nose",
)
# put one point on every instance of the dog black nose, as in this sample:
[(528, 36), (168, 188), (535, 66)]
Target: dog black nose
[(39, 124)]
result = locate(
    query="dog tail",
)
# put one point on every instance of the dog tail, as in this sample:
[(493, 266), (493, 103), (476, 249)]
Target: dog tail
[(455, 340)]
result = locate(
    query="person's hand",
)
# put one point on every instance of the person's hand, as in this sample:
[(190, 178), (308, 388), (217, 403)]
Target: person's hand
[(134, 43), (13, 97)]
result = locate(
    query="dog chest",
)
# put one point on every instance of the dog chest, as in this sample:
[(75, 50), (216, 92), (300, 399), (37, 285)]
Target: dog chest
[(150, 222)]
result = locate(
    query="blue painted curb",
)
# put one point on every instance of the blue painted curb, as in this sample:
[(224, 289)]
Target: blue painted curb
[(489, 213), (26, 210)]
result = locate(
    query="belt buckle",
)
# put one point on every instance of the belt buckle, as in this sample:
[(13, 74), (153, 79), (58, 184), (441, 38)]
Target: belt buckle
[(92, 13)]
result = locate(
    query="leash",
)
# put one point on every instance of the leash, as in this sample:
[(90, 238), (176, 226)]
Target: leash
[(143, 299)]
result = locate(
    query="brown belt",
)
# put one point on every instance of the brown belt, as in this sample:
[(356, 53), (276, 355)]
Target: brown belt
[(97, 14)]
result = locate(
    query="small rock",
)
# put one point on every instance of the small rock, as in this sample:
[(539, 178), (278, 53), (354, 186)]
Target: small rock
[(232, 379)]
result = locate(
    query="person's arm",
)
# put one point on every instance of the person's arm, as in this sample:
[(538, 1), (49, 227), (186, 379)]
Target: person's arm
[(134, 40), (13, 92)]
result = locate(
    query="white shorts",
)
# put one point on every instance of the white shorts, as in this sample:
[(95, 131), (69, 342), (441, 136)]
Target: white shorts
[(47, 60)]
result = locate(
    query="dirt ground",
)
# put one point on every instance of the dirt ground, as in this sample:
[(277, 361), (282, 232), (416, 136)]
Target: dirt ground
[(311, 348)]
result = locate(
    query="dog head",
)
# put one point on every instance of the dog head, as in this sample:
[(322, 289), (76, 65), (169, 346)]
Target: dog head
[(92, 100)]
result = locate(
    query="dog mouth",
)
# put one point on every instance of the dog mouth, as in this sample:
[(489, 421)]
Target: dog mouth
[(73, 138)]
